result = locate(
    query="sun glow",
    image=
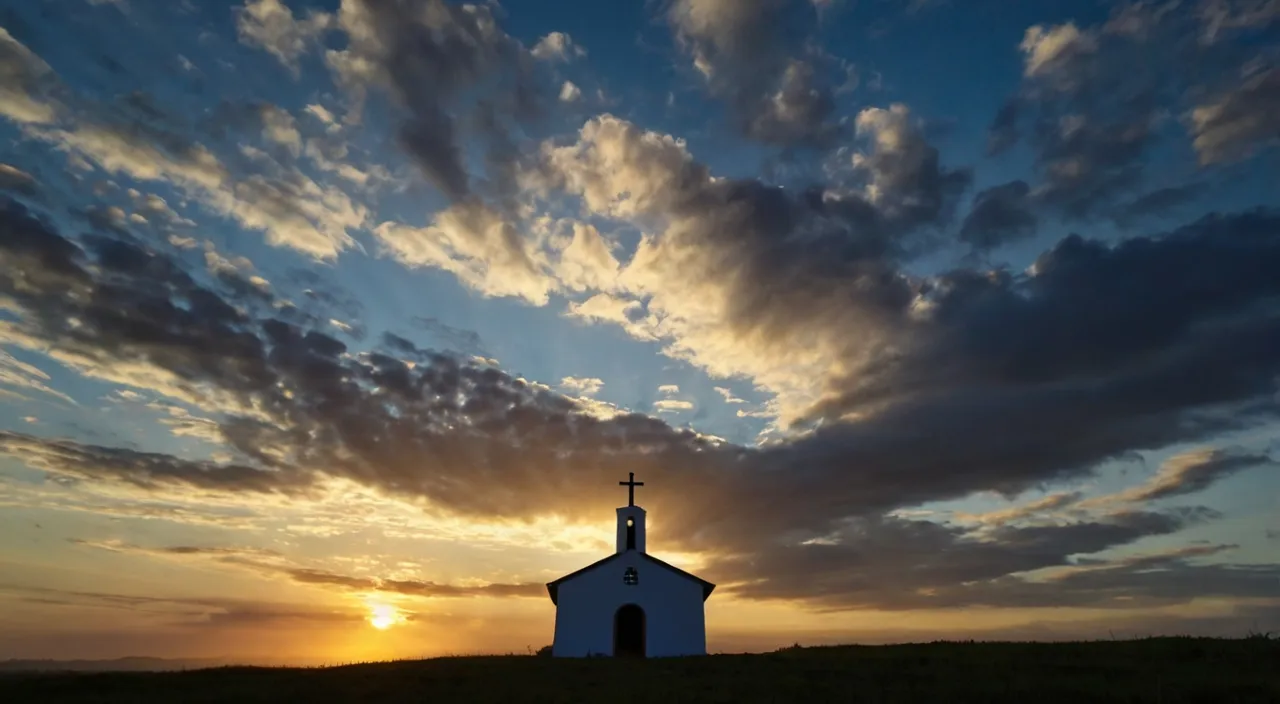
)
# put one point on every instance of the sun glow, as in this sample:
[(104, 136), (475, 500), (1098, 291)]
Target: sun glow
[(384, 616)]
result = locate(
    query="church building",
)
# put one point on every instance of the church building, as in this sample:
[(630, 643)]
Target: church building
[(630, 604)]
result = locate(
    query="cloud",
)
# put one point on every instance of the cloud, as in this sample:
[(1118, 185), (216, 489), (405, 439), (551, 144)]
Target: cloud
[(322, 114), (155, 208), (799, 111), (1222, 18), (569, 92), (268, 562), (581, 386), (1000, 214), (270, 373), (904, 178), (194, 611), (293, 210), (670, 405), (603, 307), (1058, 500), (27, 84), (778, 93), (1161, 201), (270, 25), (586, 259), (413, 587), (478, 245), (619, 169), (728, 395), (688, 284), (16, 180), (445, 336), (1237, 123), (427, 55), (938, 356), (1094, 110), (279, 127), (1048, 49), (1090, 110), (1189, 473), (557, 46), (722, 35), (18, 374), (141, 469), (177, 550), (1003, 132), (896, 564)]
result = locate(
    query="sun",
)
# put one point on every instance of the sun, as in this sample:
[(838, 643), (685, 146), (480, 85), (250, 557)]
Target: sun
[(384, 616)]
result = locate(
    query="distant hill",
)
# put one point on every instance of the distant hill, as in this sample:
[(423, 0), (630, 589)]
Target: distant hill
[(139, 664), (1156, 670)]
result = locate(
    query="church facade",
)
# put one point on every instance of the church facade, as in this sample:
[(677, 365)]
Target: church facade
[(630, 604)]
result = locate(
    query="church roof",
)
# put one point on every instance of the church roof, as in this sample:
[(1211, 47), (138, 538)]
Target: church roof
[(553, 588)]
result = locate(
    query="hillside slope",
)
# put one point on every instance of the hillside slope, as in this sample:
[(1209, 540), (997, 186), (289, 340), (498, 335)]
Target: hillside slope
[(1164, 670)]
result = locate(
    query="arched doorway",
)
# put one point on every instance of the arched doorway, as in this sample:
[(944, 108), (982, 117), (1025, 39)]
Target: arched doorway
[(629, 632)]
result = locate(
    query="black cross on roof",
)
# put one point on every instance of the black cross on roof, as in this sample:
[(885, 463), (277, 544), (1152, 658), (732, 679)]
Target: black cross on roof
[(631, 485)]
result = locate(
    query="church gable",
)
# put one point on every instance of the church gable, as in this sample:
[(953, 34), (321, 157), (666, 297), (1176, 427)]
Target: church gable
[(553, 588)]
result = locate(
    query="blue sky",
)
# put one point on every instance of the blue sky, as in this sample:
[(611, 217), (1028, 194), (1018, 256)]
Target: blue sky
[(849, 281)]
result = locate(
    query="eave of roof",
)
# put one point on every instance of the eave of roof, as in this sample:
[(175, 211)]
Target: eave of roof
[(553, 588)]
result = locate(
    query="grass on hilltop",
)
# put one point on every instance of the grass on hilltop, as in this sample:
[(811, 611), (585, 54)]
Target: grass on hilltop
[(1163, 670)]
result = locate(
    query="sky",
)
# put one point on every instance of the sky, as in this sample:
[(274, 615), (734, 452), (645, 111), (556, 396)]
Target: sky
[(328, 329)]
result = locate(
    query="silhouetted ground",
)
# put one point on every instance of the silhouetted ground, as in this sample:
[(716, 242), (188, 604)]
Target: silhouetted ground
[(1164, 670)]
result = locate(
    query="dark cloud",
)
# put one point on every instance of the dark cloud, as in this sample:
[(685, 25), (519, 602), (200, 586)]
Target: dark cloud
[(143, 469), (319, 299), (799, 112), (1094, 107), (1162, 201), (753, 56), (427, 53), (1000, 214), (194, 612), (267, 562), (1003, 133), (892, 563), (904, 171), (408, 587), (194, 550), (446, 336), (1088, 291), (1085, 165)]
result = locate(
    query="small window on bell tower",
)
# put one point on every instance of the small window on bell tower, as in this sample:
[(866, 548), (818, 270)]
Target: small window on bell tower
[(630, 577), (631, 533)]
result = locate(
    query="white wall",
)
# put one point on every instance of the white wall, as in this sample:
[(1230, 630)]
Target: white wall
[(675, 620)]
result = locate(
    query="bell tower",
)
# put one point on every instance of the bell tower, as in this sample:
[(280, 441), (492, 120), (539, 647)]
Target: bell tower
[(631, 519)]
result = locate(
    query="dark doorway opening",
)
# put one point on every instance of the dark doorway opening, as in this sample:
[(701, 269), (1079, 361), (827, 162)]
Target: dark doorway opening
[(629, 632)]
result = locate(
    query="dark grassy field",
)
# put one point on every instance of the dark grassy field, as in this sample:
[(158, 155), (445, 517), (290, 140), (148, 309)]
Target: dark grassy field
[(1165, 670)]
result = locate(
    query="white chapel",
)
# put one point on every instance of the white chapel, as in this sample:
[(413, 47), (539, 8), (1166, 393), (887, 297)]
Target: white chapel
[(630, 604)]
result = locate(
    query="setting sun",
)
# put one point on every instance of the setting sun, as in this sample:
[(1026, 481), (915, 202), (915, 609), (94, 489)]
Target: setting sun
[(384, 616)]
